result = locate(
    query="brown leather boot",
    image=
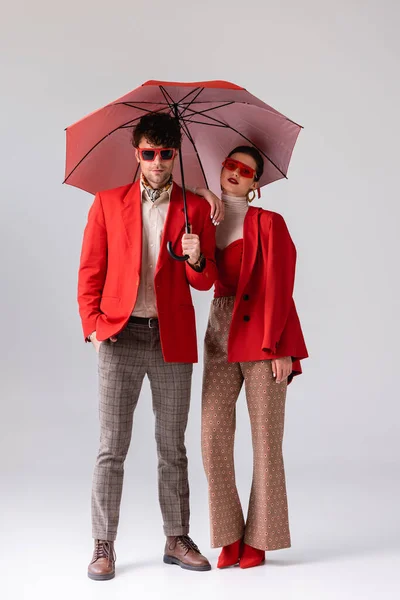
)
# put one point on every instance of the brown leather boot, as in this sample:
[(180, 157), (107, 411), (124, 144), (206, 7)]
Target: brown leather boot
[(181, 550), (102, 566)]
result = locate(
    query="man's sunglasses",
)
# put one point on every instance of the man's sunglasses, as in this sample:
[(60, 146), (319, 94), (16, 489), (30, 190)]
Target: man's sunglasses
[(149, 154), (245, 171)]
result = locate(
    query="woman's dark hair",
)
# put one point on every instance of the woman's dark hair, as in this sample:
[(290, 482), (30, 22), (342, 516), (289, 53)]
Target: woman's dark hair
[(254, 153), (160, 129)]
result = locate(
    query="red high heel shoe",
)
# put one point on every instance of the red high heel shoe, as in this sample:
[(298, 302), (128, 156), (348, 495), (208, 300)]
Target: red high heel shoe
[(251, 557), (229, 555)]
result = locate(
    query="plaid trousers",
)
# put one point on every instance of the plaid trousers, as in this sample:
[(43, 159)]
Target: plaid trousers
[(267, 524), (122, 367)]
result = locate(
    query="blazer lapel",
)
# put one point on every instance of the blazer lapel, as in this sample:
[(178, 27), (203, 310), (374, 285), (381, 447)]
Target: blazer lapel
[(132, 216), (250, 245)]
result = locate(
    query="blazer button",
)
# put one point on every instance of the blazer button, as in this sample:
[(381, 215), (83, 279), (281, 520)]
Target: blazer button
[(246, 318), (246, 297)]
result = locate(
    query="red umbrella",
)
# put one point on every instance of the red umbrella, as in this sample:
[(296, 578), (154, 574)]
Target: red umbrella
[(215, 116)]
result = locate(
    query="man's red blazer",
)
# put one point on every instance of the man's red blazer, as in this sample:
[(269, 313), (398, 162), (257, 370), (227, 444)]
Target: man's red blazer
[(110, 265)]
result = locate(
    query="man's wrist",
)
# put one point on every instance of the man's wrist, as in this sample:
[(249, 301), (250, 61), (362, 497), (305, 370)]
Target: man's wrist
[(199, 264), (193, 262)]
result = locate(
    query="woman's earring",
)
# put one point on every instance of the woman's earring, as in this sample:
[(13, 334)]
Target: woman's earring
[(250, 199)]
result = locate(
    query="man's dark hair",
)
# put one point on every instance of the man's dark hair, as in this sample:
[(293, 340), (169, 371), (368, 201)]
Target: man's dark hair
[(160, 129), (254, 153)]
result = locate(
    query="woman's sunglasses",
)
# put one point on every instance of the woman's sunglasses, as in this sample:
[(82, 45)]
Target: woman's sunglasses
[(149, 154), (245, 171)]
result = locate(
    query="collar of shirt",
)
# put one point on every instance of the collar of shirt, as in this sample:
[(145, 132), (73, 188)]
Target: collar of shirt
[(165, 196)]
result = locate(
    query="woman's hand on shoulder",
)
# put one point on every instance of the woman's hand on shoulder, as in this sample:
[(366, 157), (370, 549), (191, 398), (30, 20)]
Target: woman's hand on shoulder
[(217, 206)]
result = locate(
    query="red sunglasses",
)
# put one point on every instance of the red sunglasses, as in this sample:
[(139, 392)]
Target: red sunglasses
[(245, 171), (149, 154)]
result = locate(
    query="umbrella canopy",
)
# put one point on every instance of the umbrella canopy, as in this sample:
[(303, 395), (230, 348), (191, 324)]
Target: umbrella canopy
[(215, 116)]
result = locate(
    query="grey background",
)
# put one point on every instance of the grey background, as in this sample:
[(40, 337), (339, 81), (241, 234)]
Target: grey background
[(333, 67)]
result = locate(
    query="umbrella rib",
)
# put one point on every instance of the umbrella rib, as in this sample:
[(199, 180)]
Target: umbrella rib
[(189, 103), (276, 114), (200, 90), (208, 109), (123, 126), (193, 91), (176, 105), (166, 96), (140, 102), (179, 102), (247, 139), (201, 112), (155, 102), (186, 120), (143, 109)]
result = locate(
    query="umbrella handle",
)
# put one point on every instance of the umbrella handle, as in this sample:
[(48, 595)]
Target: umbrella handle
[(175, 256)]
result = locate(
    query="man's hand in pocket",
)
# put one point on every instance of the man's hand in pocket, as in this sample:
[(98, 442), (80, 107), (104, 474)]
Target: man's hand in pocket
[(96, 343)]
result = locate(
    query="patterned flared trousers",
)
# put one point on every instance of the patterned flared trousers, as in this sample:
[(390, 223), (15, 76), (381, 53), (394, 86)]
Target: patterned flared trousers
[(267, 526)]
